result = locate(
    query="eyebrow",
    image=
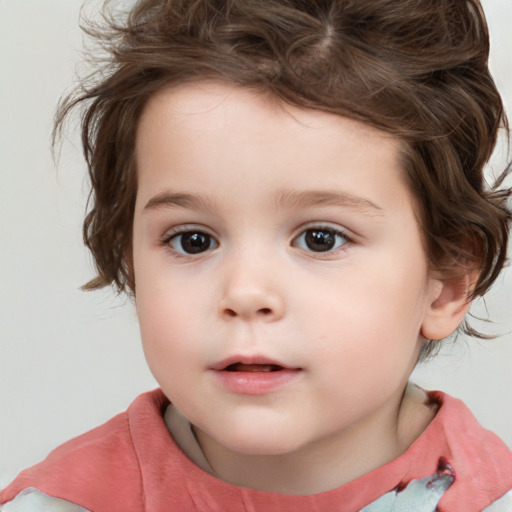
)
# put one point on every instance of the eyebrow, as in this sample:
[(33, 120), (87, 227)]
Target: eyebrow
[(310, 198), (181, 200), (287, 199)]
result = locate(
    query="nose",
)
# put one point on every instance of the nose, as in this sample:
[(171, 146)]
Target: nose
[(251, 292)]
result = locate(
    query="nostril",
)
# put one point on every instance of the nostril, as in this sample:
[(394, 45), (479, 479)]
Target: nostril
[(246, 311)]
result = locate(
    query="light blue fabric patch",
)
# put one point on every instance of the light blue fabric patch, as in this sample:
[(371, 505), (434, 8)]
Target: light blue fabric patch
[(32, 500), (504, 504), (420, 495)]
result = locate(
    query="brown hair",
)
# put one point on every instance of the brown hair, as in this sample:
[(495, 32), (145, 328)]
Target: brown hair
[(416, 69)]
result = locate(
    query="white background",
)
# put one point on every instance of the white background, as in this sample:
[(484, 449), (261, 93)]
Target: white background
[(69, 360)]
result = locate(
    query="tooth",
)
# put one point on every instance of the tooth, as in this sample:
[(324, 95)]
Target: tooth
[(239, 367)]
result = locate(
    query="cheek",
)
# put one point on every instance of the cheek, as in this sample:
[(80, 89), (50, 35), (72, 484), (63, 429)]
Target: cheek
[(169, 350), (161, 299), (162, 320), (363, 352), (176, 322), (370, 319)]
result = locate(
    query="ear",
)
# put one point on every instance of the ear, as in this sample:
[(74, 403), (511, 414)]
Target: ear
[(449, 301)]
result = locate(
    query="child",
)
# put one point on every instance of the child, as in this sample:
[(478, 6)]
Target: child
[(292, 192)]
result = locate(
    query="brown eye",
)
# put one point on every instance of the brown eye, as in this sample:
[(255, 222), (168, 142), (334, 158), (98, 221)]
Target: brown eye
[(320, 239), (192, 242)]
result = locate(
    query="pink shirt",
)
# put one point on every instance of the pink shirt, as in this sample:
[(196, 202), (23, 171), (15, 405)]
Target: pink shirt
[(132, 463)]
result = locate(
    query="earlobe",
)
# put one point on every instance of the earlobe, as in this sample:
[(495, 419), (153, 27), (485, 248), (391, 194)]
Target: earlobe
[(449, 302)]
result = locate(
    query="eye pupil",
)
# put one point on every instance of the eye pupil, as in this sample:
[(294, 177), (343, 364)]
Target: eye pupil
[(194, 242), (320, 240)]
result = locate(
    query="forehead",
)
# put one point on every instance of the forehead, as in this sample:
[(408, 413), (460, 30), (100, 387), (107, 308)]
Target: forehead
[(207, 133), (216, 105)]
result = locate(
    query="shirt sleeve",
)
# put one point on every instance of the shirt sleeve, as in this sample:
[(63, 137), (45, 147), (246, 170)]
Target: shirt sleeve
[(32, 500)]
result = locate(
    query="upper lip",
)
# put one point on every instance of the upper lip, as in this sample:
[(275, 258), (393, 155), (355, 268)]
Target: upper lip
[(249, 359)]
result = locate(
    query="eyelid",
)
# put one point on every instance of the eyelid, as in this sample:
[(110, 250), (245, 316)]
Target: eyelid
[(324, 225), (170, 234), (327, 226), (185, 228)]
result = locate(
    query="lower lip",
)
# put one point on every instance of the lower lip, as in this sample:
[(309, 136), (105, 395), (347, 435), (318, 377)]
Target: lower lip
[(255, 383)]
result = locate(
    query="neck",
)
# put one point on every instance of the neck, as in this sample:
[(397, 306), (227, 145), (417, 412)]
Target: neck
[(330, 462)]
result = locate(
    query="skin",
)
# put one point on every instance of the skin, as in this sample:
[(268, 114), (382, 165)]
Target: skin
[(257, 174)]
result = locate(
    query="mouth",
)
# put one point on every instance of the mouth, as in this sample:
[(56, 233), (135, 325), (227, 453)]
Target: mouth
[(241, 367), (251, 364), (243, 375)]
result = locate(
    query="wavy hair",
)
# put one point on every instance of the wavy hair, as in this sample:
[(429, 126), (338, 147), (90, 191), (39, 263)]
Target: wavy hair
[(417, 69)]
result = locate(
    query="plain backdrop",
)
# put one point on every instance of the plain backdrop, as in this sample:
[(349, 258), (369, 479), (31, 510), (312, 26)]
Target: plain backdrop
[(69, 360)]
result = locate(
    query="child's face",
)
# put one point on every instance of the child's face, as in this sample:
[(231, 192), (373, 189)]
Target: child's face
[(271, 235)]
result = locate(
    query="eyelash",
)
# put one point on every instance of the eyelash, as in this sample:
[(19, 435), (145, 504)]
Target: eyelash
[(175, 233), (336, 233)]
